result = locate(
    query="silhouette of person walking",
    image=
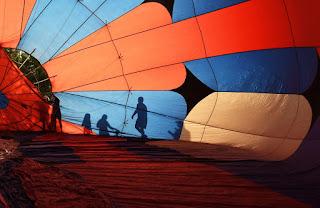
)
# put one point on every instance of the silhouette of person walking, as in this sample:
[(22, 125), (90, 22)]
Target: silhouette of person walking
[(142, 120), (56, 114), (103, 126), (86, 124)]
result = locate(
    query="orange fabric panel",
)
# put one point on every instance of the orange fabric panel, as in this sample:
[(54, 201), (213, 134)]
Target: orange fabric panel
[(99, 37), (14, 16), (147, 80), (98, 66), (88, 66), (71, 128), (253, 25), (144, 17), (171, 44), (114, 83), (154, 79), (304, 18)]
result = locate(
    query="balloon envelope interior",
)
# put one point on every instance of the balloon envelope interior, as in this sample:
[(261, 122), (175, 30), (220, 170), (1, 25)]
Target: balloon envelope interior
[(241, 74)]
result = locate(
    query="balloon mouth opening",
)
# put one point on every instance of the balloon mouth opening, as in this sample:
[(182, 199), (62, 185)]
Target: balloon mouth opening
[(32, 70), (4, 102)]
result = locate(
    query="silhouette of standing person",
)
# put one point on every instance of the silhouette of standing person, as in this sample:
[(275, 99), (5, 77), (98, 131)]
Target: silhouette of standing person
[(142, 120), (44, 113), (56, 114), (103, 126), (86, 124)]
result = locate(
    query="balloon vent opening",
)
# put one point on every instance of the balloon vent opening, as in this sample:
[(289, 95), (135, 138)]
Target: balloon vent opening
[(32, 70), (3, 101)]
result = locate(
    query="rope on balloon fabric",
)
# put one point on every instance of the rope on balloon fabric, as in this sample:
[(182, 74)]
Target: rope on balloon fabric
[(25, 33), (92, 13), (19, 76), (58, 32), (24, 4), (172, 117), (3, 120), (206, 55), (299, 71), (5, 74), (124, 76)]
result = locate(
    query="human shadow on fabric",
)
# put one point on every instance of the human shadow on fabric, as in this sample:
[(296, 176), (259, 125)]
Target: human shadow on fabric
[(56, 114), (142, 120), (44, 113), (86, 123), (104, 126), (177, 131)]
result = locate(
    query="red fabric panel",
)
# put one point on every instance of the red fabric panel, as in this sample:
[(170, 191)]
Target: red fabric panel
[(304, 18), (26, 110), (14, 16), (253, 25)]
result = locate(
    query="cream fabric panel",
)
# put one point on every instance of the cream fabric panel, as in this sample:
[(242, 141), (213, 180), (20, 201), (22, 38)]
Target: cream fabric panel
[(269, 126), (194, 124), (255, 113)]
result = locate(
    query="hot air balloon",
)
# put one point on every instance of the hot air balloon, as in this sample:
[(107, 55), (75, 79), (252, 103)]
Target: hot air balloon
[(226, 80)]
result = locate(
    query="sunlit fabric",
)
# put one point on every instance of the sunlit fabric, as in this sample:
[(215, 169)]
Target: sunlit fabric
[(13, 17), (102, 57), (286, 70), (21, 106), (73, 22), (88, 108), (235, 121), (204, 76)]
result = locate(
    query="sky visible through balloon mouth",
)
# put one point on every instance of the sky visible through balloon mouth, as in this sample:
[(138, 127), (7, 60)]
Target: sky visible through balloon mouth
[(3, 101), (32, 70)]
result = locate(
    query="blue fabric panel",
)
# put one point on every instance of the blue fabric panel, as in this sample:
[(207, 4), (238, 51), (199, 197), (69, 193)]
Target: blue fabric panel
[(265, 71), (308, 60), (166, 111), (184, 9), (37, 9), (205, 6), (113, 9), (106, 11), (90, 26), (202, 70), (48, 38), (4, 102), (73, 22), (93, 5)]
